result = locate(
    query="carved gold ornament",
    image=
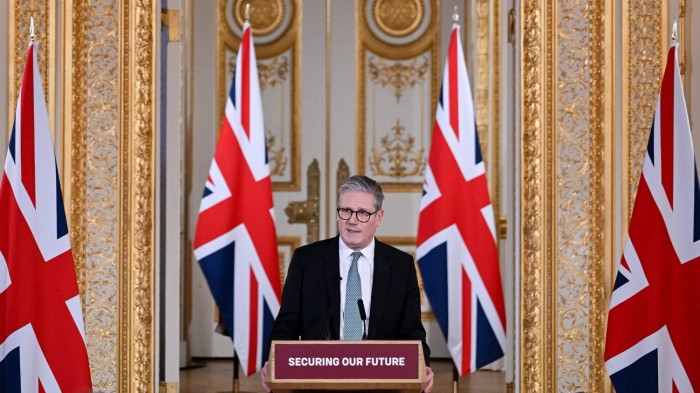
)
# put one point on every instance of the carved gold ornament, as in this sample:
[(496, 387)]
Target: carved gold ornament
[(397, 157), (273, 73), (265, 15), (399, 76), (276, 157), (398, 18)]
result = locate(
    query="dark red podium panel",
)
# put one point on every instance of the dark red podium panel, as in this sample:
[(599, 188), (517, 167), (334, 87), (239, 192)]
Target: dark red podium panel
[(388, 366)]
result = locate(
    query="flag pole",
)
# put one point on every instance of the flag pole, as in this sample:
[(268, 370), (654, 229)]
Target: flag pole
[(236, 361), (455, 373), (455, 378), (674, 31), (31, 29)]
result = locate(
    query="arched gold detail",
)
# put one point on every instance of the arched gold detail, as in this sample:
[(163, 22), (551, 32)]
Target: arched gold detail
[(265, 15), (278, 61), (427, 44), (398, 157), (399, 76), (398, 18), (307, 212)]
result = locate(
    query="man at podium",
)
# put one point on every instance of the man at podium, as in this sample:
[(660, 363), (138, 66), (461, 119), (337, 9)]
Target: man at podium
[(352, 286)]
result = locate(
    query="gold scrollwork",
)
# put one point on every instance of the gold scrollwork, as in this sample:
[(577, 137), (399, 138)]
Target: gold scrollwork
[(273, 73), (399, 76), (276, 156), (398, 157)]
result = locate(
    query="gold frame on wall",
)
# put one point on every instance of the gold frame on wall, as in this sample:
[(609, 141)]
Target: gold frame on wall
[(368, 42), (287, 41)]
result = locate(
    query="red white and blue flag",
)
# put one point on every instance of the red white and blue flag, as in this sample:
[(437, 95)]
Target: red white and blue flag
[(235, 240), (456, 244), (42, 338), (652, 338)]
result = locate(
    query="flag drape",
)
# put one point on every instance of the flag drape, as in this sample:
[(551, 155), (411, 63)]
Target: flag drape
[(456, 242), (42, 339), (235, 239), (652, 340)]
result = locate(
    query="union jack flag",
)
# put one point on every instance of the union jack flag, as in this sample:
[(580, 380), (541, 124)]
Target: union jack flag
[(456, 249), (235, 240), (42, 339), (652, 340)]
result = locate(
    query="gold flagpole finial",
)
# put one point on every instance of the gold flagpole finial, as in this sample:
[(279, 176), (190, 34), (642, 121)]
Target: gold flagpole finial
[(455, 16), (31, 29), (674, 32), (247, 11)]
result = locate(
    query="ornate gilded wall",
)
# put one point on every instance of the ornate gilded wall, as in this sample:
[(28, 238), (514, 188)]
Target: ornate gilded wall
[(106, 138), (570, 100)]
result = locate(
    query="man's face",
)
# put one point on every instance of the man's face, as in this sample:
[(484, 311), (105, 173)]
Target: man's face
[(357, 235)]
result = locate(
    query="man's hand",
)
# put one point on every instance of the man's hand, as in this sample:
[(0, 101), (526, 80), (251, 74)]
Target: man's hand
[(431, 376), (263, 378)]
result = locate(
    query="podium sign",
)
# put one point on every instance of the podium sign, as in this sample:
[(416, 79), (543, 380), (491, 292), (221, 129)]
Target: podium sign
[(396, 366)]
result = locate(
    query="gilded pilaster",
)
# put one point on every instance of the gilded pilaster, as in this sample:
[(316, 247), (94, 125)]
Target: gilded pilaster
[(137, 185)]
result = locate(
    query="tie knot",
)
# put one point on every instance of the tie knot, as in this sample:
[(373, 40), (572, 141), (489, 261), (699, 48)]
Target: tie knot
[(355, 256)]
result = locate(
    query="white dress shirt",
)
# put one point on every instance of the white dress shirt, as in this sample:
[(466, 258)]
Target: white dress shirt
[(365, 267)]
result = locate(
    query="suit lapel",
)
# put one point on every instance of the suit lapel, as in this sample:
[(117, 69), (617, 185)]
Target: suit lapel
[(332, 277), (380, 287)]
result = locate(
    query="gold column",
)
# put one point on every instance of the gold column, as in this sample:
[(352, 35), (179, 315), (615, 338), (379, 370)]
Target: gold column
[(567, 159)]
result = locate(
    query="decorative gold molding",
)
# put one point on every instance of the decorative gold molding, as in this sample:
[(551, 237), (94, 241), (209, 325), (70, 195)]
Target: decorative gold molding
[(398, 76), (307, 212), (398, 18), (427, 43), (602, 225), (286, 45), (643, 57), (75, 134), (494, 121), (535, 352), (137, 185), (398, 157)]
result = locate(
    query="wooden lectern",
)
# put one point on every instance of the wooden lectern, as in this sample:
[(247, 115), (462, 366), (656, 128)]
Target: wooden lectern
[(378, 366)]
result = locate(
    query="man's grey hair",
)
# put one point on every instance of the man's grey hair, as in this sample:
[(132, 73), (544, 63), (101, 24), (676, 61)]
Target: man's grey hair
[(363, 184)]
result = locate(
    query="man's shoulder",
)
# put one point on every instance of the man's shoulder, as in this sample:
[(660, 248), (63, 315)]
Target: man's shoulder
[(326, 246)]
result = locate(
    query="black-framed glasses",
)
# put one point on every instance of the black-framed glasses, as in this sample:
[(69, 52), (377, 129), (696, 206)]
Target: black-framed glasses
[(362, 216)]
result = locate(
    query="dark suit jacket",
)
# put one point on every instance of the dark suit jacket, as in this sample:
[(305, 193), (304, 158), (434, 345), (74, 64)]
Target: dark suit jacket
[(310, 307)]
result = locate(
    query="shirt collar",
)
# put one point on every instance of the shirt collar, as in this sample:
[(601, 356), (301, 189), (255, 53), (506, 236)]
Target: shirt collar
[(367, 252)]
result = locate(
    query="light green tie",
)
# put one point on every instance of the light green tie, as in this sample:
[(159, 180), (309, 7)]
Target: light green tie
[(353, 292)]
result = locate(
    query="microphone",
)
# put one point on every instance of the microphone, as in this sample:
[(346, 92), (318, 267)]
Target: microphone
[(363, 317)]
